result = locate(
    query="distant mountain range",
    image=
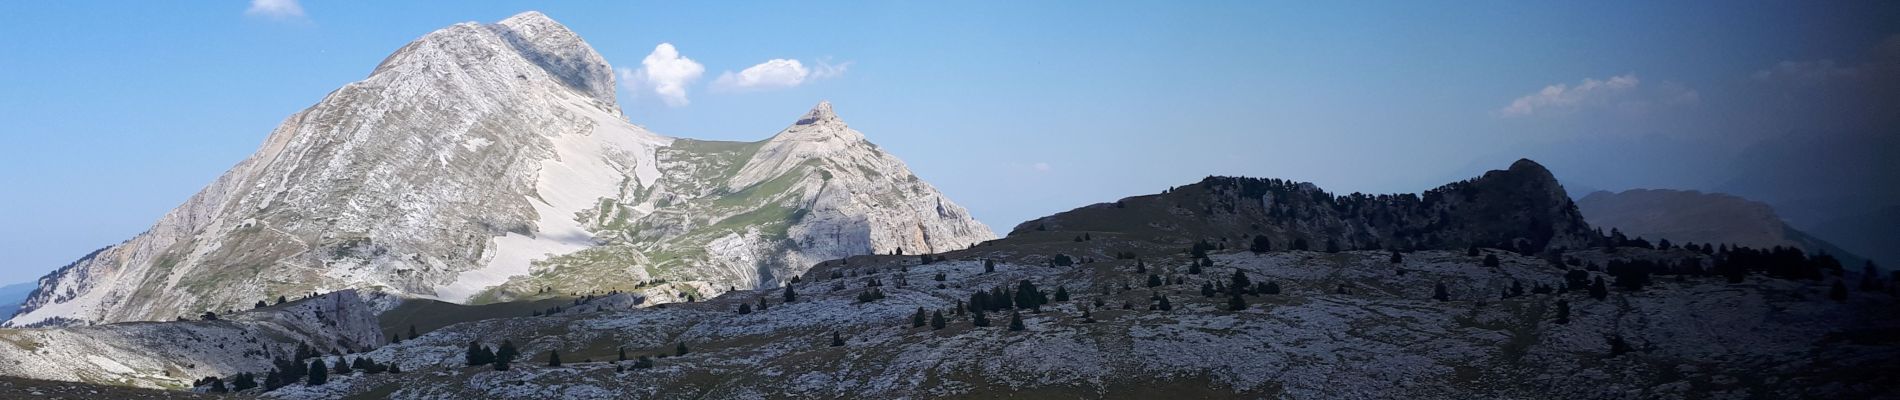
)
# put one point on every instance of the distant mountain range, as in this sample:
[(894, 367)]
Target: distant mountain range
[(1685, 216), (12, 295)]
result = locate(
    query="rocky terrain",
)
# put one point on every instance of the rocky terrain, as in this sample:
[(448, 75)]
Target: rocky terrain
[(1134, 310), (174, 354), (1687, 216), (489, 162)]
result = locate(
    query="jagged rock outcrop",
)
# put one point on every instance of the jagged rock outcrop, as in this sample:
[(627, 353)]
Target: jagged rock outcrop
[(484, 155), (1522, 208)]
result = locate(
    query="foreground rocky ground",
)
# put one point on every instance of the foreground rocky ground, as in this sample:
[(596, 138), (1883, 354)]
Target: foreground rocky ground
[(1345, 325)]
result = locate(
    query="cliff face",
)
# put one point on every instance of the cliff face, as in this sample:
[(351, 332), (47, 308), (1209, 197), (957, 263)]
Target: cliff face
[(482, 156)]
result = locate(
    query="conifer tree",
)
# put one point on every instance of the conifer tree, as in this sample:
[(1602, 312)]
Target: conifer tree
[(1261, 244), (745, 308), (1086, 318), (936, 320), (978, 319), (319, 373), (244, 381), (789, 295), (1141, 267), (836, 340), (761, 307), (507, 351), (1239, 282), (1015, 321), (680, 349), (1062, 294), (1472, 251), (989, 265), (1207, 289), (1397, 258), (217, 386), (1440, 293), (1272, 288), (412, 332), (1154, 280), (343, 368), (1491, 261), (1164, 305), (1236, 303), (1194, 268), (1563, 312), (1599, 290), (623, 354), (643, 362), (917, 320), (554, 358)]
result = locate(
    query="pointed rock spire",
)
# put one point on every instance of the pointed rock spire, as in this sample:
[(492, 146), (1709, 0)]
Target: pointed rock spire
[(820, 114)]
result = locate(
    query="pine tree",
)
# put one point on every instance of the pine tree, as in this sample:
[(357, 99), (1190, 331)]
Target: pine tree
[(789, 295), (1397, 258), (1015, 321), (1299, 244), (474, 354), (281, 300), (319, 373), (412, 332), (623, 354), (989, 266), (1236, 303), (1599, 290), (643, 362), (936, 320), (504, 358), (1164, 305), (1062, 294), (243, 382), (1272, 288), (680, 349), (978, 319), (1239, 282), (554, 358), (745, 308), (1194, 268), (217, 386), (1472, 251), (1838, 292), (1261, 244), (1141, 267), (342, 368), (1563, 312), (917, 320), (1491, 261), (1086, 318), (1440, 293)]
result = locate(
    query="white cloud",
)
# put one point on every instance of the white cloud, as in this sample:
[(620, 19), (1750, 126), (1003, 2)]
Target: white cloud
[(1562, 97), (778, 73), (666, 73), (1808, 72), (771, 74), (1040, 167), (279, 9)]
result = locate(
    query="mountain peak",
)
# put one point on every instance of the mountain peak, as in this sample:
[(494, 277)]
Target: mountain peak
[(820, 114), (561, 52)]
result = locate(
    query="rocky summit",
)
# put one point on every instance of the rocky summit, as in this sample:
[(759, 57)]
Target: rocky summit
[(489, 162)]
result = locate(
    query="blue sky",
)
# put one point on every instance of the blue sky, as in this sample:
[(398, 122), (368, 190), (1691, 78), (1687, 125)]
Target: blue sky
[(116, 112)]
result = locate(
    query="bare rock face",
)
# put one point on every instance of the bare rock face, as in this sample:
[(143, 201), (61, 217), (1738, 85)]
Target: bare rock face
[(484, 156)]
